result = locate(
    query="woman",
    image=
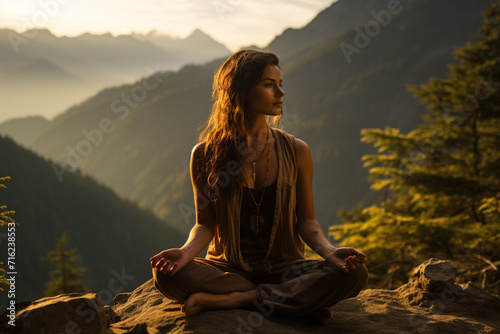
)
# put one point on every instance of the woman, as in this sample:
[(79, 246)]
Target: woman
[(252, 189)]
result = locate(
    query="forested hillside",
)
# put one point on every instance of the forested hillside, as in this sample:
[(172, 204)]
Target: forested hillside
[(441, 180), (114, 237)]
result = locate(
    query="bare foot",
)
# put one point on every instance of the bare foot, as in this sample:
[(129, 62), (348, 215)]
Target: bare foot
[(323, 315), (201, 301)]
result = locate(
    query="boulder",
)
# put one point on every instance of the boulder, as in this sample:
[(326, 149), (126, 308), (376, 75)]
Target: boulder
[(433, 286), (69, 313), (432, 280)]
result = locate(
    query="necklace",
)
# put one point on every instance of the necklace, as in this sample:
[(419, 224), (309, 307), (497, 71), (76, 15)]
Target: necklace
[(254, 162), (258, 219)]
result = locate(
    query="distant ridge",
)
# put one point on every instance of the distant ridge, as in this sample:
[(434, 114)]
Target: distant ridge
[(77, 67), (23, 129)]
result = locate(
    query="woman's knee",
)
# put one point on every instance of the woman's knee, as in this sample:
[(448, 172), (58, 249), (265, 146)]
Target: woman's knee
[(172, 287), (350, 283), (359, 278)]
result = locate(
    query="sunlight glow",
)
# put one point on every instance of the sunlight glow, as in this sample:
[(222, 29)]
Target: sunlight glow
[(233, 23)]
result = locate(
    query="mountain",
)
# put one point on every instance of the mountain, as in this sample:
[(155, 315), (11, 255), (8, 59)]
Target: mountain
[(73, 68), (332, 93), (196, 48), (114, 237), (23, 129), (327, 26)]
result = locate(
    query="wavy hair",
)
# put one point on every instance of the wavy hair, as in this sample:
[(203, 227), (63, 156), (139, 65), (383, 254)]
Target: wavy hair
[(226, 126)]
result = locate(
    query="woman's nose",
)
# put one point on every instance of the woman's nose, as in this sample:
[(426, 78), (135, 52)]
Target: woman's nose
[(280, 92)]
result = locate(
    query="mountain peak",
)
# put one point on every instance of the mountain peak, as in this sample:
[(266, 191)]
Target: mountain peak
[(90, 35), (199, 39), (158, 33), (43, 33), (197, 33)]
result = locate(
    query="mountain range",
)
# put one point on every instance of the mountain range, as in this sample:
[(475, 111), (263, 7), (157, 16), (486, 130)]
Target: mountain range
[(45, 74), (344, 71)]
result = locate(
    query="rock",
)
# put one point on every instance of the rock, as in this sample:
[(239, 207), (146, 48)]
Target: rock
[(452, 309), (430, 303), (432, 280), (147, 306), (111, 316), (70, 313), (435, 275), (472, 301), (433, 286)]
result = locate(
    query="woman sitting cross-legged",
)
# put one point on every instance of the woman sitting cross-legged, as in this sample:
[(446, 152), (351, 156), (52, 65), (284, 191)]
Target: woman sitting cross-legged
[(254, 203)]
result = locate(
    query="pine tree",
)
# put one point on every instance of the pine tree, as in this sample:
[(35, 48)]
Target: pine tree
[(64, 279), (5, 220), (441, 181)]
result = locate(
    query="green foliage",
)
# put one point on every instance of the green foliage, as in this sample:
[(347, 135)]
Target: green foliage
[(65, 277), (311, 255), (441, 181), (5, 219)]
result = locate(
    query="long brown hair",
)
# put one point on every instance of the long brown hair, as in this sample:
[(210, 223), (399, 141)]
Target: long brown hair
[(226, 126)]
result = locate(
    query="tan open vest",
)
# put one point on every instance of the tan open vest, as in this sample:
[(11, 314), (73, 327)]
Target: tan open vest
[(285, 244)]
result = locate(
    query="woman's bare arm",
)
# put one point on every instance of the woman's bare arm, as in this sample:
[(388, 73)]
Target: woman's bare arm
[(309, 229), (170, 261)]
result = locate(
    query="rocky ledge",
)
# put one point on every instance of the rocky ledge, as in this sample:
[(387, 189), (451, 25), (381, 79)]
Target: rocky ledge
[(430, 303)]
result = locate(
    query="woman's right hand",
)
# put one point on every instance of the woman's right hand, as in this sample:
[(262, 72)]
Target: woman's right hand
[(170, 261)]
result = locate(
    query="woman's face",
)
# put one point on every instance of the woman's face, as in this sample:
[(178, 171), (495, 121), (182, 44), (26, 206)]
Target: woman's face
[(267, 97)]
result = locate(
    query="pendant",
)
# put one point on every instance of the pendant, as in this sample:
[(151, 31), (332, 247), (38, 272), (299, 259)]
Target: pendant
[(253, 171), (255, 221)]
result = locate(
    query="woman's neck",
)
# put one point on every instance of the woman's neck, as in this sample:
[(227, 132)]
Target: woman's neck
[(256, 131)]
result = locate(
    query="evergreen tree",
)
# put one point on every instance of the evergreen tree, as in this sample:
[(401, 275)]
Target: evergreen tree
[(5, 220), (441, 181), (64, 279)]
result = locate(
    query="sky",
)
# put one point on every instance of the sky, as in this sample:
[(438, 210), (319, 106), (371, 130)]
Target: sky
[(235, 23)]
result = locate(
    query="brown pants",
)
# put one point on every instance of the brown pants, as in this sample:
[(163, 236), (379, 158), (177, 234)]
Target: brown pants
[(295, 290)]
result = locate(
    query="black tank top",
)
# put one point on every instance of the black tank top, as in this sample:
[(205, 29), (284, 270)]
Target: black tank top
[(254, 232)]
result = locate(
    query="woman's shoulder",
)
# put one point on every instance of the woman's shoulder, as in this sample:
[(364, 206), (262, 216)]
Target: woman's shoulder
[(198, 155), (198, 150), (299, 144)]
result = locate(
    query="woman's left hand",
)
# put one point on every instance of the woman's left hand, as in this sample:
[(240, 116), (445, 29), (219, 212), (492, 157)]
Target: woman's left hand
[(346, 258)]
